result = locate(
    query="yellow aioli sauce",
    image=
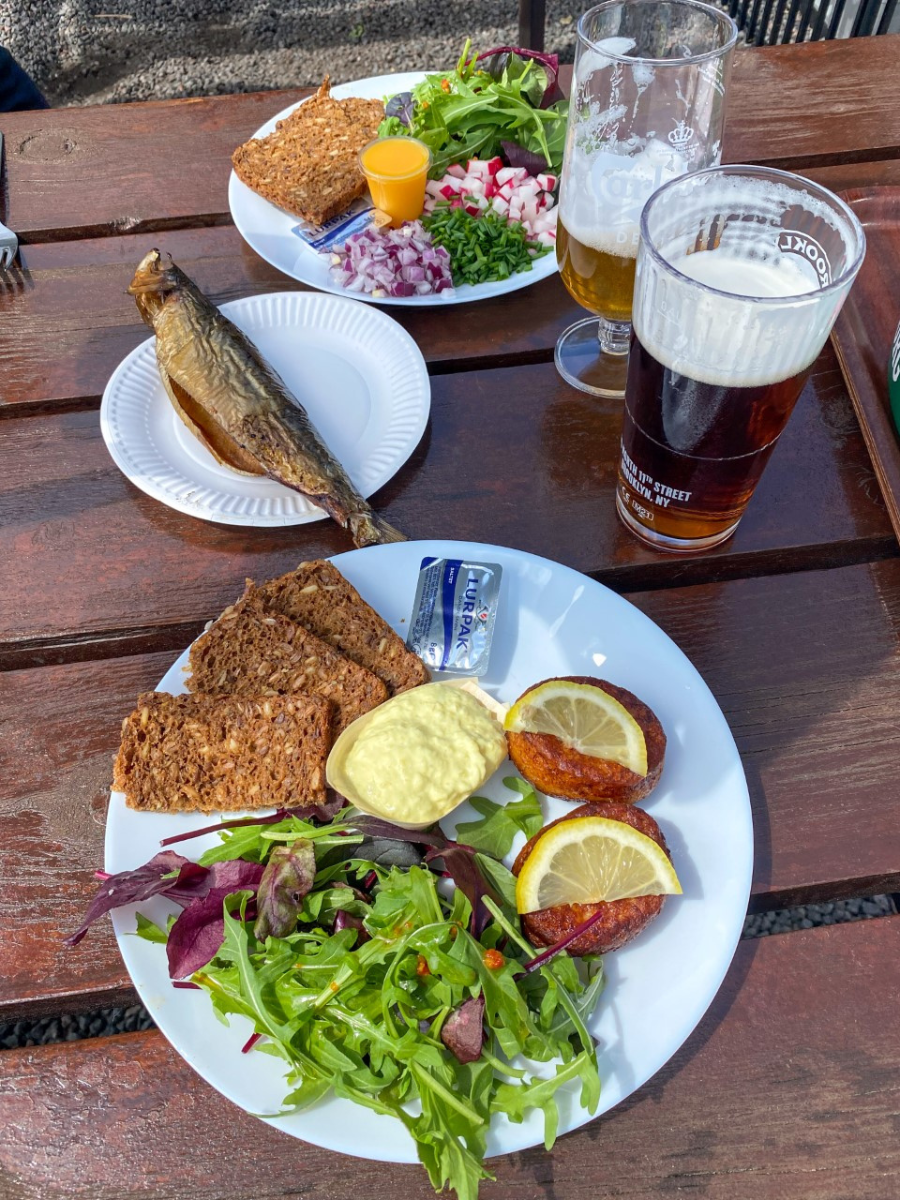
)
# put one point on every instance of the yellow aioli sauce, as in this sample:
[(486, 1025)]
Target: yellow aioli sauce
[(416, 757)]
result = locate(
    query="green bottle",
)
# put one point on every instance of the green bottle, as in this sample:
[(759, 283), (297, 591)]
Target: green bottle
[(894, 379)]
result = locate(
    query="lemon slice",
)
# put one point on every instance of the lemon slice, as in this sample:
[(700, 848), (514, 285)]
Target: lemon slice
[(592, 859), (585, 718)]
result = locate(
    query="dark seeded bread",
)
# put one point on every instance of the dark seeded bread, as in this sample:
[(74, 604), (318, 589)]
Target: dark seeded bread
[(309, 165), (320, 598), (252, 652), (223, 753)]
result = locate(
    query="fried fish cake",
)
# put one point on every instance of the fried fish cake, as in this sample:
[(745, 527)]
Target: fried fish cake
[(557, 769), (620, 920)]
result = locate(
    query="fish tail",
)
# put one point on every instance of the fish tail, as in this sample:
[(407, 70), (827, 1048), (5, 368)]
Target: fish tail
[(369, 529)]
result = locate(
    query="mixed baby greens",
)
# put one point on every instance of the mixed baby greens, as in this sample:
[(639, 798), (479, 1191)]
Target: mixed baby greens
[(505, 101), (373, 979)]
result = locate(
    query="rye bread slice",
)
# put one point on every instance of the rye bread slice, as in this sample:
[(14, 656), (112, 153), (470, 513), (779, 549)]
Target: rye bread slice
[(249, 651), (318, 597), (198, 753), (309, 165)]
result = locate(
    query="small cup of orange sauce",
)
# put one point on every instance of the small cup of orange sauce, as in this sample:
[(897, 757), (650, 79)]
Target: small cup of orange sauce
[(396, 170)]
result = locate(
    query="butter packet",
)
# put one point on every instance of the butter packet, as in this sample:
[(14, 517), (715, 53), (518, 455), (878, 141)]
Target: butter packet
[(336, 230), (453, 615)]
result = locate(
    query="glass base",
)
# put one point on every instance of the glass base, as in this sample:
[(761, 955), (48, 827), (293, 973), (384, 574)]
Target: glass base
[(587, 365), (659, 541)]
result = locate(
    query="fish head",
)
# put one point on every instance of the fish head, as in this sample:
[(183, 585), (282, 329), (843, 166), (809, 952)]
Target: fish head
[(154, 281)]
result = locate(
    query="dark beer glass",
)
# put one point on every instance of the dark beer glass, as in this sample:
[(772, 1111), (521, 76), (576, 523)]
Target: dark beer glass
[(741, 272)]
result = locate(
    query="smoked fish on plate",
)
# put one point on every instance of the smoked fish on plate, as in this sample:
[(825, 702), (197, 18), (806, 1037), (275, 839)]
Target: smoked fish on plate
[(235, 403)]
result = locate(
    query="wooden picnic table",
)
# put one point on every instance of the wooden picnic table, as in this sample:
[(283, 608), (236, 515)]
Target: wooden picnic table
[(788, 1088)]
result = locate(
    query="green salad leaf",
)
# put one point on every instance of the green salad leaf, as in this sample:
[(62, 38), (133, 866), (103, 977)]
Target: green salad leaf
[(358, 1010), (467, 113), (495, 833)]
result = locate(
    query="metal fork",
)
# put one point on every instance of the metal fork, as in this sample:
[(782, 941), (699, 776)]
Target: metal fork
[(9, 243)]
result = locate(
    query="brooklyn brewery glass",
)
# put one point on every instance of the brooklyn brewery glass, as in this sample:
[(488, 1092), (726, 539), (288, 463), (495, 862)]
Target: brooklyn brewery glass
[(647, 105), (741, 272)]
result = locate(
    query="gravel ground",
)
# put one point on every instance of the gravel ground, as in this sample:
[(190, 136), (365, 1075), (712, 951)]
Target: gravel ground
[(96, 51), (69, 1028)]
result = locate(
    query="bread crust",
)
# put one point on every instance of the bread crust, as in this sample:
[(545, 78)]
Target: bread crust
[(309, 165), (620, 920), (249, 651), (199, 753), (317, 596), (558, 770)]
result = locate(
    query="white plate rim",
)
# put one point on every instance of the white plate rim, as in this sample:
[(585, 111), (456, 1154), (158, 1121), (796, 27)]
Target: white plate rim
[(726, 919), (141, 361), (243, 201)]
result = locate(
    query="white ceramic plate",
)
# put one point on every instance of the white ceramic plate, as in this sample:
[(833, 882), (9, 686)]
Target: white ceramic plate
[(551, 621), (268, 230), (359, 375)]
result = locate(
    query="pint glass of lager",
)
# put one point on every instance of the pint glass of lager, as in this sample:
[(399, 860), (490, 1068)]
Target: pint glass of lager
[(741, 272), (647, 105)]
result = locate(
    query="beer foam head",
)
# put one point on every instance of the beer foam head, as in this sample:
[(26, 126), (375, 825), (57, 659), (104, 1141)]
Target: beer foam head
[(738, 289), (604, 191)]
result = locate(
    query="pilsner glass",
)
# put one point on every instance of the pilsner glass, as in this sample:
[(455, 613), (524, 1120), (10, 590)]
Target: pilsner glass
[(741, 273), (647, 105)]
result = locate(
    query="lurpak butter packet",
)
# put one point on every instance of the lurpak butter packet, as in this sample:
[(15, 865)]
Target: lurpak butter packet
[(453, 615)]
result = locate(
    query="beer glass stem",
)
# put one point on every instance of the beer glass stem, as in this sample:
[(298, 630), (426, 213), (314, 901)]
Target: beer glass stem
[(578, 361), (614, 336)]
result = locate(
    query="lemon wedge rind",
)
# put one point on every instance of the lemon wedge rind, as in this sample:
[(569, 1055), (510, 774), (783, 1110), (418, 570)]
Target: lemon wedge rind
[(584, 717), (591, 860)]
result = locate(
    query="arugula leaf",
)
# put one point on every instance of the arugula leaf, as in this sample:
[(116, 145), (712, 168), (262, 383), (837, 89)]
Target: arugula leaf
[(515, 1100), (468, 112), (382, 1021), (495, 833), (149, 930)]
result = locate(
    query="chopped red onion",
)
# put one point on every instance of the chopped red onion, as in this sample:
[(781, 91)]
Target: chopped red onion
[(392, 262)]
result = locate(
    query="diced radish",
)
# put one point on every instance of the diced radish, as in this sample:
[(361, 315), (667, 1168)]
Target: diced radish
[(449, 190), (475, 186), (456, 202), (549, 200), (490, 188), (433, 187), (530, 186), (482, 202), (494, 164), (506, 189), (506, 175), (547, 182), (547, 238), (551, 217), (456, 171), (472, 209), (499, 205)]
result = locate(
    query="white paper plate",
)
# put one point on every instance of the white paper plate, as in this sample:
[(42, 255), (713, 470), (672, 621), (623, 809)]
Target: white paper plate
[(551, 621), (359, 375), (268, 230)]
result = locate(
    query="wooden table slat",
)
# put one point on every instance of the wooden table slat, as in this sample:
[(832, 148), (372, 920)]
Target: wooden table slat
[(94, 556), (814, 706), (809, 105), (67, 320), (787, 1090)]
